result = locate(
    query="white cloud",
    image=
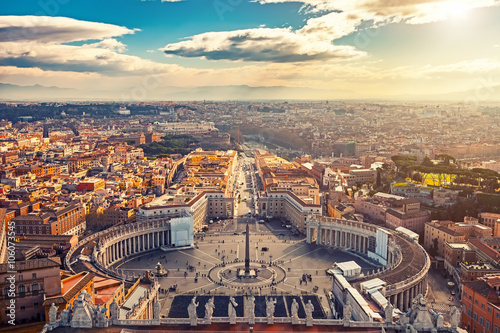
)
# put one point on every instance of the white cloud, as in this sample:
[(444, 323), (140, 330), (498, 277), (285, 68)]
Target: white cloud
[(260, 44), (314, 40), (45, 29), (110, 44), (31, 41), (346, 14)]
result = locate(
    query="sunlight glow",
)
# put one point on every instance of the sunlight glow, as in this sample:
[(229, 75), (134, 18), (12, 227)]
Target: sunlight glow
[(454, 9)]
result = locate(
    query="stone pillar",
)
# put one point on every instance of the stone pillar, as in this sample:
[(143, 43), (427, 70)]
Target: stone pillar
[(142, 242), (111, 256), (318, 235), (308, 235), (331, 237), (406, 298), (157, 239), (400, 301)]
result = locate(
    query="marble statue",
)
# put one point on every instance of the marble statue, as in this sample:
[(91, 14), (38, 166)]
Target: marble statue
[(455, 316), (101, 317), (347, 311), (53, 314), (309, 308), (113, 310), (270, 307), (192, 311), (440, 321), (209, 309), (250, 307), (295, 312), (389, 310), (82, 312), (156, 310), (65, 318), (419, 316), (231, 310)]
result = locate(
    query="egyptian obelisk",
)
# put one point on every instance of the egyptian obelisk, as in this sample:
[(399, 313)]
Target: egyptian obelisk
[(247, 251)]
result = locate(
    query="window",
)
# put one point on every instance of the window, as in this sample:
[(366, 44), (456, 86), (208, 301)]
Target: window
[(23, 307), (475, 301), (474, 316), (496, 330), (482, 305), (481, 320), (20, 277), (489, 309), (488, 325), (21, 289)]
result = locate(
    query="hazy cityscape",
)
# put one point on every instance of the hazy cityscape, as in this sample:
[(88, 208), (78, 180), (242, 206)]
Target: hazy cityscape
[(250, 166)]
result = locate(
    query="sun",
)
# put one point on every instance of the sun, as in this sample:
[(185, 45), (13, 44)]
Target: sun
[(454, 9)]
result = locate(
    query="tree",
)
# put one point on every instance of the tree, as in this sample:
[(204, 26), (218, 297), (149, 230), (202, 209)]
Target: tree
[(426, 161), (404, 164), (417, 177), (446, 158), (379, 180)]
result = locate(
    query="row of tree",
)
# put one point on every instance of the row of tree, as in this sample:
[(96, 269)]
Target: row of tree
[(171, 144), (406, 166)]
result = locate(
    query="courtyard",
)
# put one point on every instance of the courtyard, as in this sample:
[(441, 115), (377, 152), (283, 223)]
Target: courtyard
[(286, 264)]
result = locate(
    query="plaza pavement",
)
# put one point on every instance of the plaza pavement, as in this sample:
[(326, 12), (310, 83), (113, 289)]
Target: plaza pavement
[(221, 244)]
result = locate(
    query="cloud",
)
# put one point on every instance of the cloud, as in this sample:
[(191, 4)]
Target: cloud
[(38, 42), (260, 44), (314, 41), (345, 16), (45, 29)]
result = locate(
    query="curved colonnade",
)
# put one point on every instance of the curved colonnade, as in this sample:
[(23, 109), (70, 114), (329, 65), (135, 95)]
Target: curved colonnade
[(121, 242), (131, 239), (407, 263)]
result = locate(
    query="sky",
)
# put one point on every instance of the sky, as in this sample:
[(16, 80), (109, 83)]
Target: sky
[(300, 49)]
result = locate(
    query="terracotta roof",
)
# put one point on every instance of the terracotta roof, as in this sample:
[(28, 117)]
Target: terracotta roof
[(403, 216), (32, 264), (482, 288), (71, 287), (487, 250)]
